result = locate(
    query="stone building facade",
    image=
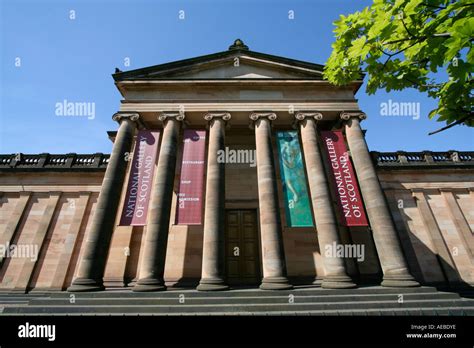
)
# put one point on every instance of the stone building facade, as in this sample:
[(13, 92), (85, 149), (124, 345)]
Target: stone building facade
[(420, 206)]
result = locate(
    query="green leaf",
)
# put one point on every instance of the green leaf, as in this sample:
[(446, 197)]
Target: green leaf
[(365, 38)]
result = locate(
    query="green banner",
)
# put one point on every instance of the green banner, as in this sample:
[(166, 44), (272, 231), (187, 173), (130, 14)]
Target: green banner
[(297, 207)]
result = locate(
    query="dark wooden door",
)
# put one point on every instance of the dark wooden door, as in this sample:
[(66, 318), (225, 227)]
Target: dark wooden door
[(242, 258)]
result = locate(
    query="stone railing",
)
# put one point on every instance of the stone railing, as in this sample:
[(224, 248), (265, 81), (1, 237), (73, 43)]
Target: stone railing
[(403, 159), (99, 161), (46, 161)]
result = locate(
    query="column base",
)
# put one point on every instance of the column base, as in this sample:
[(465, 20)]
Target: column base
[(275, 283), (399, 281), (338, 282), (212, 284), (149, 285), (318, 281), (86, 285)]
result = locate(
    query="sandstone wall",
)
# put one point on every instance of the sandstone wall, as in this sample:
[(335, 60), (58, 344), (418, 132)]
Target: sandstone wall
[(433, 211)]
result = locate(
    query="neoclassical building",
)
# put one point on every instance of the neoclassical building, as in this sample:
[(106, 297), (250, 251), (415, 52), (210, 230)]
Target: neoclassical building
[(236, 169)]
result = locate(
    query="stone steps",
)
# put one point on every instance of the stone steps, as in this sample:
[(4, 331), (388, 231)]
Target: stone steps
[(263, 299), (297, 291), (306, 301), (261, 309), (426, 311), (6, 299)]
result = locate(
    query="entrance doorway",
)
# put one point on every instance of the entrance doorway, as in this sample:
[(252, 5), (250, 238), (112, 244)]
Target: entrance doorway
[(242, 257)]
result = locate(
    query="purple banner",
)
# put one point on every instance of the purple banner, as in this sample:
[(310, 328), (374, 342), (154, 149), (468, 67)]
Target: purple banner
[(344, 180), (140, 181), (190, 192)]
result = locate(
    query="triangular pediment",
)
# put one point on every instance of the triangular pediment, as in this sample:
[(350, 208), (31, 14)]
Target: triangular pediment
[(236, 63)]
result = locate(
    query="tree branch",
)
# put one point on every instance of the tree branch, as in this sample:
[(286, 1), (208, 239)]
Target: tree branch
[(406, 29), (424, 37), (461, 120), (437, 85), (434, 6), (390, 55)]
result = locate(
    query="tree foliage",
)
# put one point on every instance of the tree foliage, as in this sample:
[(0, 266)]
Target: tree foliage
[(424, 44)]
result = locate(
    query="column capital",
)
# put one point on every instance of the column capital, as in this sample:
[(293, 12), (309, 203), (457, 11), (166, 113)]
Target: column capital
[(302, 115), (254, 116), (226, 116), (121, 116), (167, 115), (346, 115)]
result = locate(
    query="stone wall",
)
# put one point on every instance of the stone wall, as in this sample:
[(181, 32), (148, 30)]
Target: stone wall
[(47, 214), (434, 214)]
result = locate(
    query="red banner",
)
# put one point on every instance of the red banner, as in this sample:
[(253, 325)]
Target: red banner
[(140, 181), (345, 183), (189, 210)]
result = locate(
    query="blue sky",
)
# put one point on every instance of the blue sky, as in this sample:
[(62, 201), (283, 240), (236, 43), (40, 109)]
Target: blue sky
[(73, 59)]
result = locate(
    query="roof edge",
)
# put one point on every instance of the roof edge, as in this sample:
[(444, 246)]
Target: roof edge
[(122, 75)]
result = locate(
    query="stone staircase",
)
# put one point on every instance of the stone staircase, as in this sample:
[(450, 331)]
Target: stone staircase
[(299, 301)]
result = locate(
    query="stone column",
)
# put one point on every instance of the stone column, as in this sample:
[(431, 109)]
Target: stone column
[(335, 276), (392, 260), (92, 265), (274, 265), (152, 266), (213, 252)]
